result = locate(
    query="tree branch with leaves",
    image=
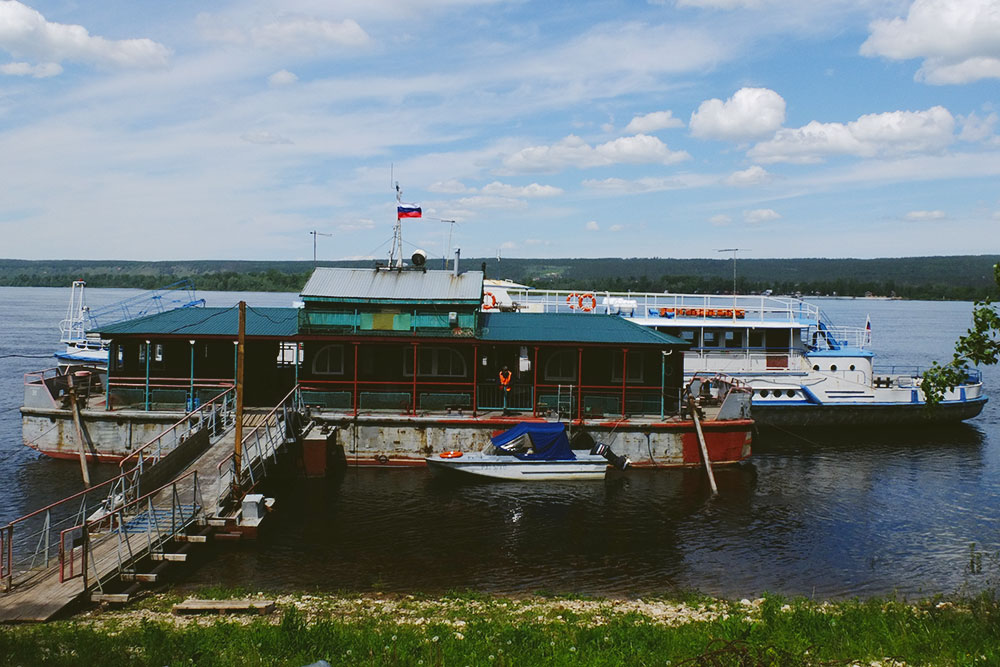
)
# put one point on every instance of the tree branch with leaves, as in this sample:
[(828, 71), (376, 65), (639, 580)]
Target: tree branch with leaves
[(979, 346)]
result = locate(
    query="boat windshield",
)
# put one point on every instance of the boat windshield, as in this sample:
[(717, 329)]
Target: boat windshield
[(535, 442)]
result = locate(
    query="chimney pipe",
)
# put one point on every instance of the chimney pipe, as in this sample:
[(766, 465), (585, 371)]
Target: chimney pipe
[(458, 253)]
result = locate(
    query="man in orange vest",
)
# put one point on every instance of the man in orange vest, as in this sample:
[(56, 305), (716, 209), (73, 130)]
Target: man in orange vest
[(505, 385)]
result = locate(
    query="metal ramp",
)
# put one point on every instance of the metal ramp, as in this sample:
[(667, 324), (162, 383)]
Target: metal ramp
[(54, 555)]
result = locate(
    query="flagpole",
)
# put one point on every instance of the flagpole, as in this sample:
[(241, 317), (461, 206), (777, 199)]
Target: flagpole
[(397, 234)]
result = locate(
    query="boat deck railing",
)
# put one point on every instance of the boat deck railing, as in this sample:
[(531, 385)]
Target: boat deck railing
[(896, 372), (658, 305)]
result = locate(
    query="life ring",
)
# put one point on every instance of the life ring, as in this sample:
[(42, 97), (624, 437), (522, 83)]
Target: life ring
[(489, 301), (587, 303), (452, 454), (573, 301), (382, 458)]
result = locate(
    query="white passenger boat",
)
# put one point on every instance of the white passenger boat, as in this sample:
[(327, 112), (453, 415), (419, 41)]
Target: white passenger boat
[(803, 370), (76, 330), (530, 451)]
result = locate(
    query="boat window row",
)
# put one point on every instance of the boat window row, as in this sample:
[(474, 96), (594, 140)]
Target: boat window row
[(445, 362), (735, 339)]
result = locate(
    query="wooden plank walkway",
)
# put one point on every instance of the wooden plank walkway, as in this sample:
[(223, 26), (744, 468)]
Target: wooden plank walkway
[(44, 596)]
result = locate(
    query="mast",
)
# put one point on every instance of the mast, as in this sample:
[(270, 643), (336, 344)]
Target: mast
[(396, 254)]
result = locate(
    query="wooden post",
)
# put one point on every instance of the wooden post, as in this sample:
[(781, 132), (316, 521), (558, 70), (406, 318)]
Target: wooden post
[(475, 380), (704, 447), (238, 445), (355, 379), (75, 407), (624, 377), (414, 408)]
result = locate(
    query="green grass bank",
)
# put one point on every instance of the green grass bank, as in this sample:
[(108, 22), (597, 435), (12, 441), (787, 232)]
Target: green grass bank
[(472, 629)]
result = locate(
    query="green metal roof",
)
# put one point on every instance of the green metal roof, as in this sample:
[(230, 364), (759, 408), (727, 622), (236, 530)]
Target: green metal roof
[(571, 328), (273, 322)]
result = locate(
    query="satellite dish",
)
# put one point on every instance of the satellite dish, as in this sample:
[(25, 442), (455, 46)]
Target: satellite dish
[(419, 258)]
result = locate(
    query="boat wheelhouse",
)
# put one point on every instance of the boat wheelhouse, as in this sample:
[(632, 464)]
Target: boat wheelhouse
[(400, 363), (803, 370)]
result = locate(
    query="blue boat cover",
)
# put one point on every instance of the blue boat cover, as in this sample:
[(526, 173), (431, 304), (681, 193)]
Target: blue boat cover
[(549, 441)]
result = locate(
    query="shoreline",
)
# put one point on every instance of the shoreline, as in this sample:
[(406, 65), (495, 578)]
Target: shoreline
[(472, 628)]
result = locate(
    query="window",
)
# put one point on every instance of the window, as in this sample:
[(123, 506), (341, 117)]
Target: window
[(635, 367), (142, 352), (710, 338), (561, 366), (690, 335), (756, 337), (158, 352), (329, 360), (435, 362), (732, 338)]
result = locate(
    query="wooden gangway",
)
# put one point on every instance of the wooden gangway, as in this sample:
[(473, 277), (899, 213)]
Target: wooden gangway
[(56, 555)]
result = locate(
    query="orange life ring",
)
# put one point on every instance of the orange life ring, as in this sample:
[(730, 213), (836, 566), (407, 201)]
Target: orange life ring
[(489, 301), (584, 305), (573, 301), (452, 454)]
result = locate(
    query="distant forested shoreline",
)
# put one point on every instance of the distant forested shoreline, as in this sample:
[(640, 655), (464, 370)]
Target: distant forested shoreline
[(957, 277)]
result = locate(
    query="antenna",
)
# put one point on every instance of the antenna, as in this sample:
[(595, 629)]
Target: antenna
[(314, 235), (396, 253), (734, 251), (451, 230)]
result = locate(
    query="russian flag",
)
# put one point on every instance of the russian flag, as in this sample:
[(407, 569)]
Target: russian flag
[(407, 211)]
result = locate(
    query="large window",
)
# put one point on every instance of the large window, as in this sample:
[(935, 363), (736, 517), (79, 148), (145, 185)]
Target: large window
[(435, 362), (733, 338), (329, 360), (635, 367), (561, 366)]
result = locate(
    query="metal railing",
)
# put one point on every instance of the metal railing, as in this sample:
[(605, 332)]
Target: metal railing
[(215, 415), (108, 544), (259, 446), (706, 307), (29, 544)]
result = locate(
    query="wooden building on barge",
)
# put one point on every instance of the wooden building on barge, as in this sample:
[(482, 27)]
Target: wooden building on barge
[(402, 363)]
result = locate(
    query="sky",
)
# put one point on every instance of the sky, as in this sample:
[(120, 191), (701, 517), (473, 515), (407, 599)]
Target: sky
[(141, 130)]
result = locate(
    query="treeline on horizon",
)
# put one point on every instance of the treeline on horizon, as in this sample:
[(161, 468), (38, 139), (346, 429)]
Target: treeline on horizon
[(943, 277)]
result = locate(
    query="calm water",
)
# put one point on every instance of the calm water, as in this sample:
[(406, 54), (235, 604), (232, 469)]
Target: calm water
[(822, 513)]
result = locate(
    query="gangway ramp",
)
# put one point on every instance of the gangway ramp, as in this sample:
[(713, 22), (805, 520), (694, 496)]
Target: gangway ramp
[(52, 557)]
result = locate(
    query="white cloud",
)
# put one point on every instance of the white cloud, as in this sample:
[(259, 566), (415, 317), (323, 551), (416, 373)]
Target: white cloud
[(282, 78), (483, 202), (720, 220), (721, 4), (920, 216), (958, 40), (449, 187), (760, 215), (872, 135), (976, 129), (575, 152), (300, 34), (25, 33), (534, 190), (651, 122), (592, 226), (42, 71), (754, 175), (751, 113), (264, 137)]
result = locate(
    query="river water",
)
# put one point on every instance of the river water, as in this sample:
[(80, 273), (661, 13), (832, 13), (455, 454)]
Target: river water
[(824, 514)]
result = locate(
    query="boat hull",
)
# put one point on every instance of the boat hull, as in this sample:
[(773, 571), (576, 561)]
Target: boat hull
[(476, 464), (902, 414)]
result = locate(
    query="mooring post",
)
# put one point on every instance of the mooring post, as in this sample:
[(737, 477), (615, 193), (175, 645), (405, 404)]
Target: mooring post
[(238, 445), (75, 407), (704, 447)]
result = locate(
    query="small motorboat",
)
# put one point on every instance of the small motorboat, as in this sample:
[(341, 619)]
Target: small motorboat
[(530, 451)]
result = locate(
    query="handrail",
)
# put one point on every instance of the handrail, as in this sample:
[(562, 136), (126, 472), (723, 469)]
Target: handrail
[(140, 453), (253, 452)]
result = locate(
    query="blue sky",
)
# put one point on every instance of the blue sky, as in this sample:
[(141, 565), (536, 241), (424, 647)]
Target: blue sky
[(670, 128)]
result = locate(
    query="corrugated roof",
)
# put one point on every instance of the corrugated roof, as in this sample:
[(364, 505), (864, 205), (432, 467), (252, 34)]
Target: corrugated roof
[(393, 285), (279, 322), (570, 328)]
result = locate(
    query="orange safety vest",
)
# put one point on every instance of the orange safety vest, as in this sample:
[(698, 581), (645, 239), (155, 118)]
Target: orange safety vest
[(505, 380)]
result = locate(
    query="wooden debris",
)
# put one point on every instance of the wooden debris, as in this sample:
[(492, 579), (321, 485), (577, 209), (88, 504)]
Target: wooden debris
[(196, 606)]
